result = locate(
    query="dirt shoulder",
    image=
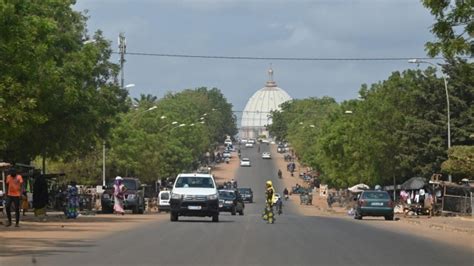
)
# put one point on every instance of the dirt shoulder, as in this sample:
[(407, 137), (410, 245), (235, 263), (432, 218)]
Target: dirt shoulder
[(51, 234), (223, 172), (457, 231)]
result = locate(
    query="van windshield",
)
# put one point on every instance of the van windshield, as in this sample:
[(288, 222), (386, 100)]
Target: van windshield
[(194, 181)]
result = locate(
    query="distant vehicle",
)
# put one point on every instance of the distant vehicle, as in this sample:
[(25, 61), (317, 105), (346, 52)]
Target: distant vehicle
[(265, 141), (252, 141), (374, 203), (164, 201), (194, 195), (134, 196), (281, 149), (231, 201), (245, 162), (247, 194), (266, 155), (228, 142), (248, 145), (230, 148), (227, 154), (243, 141), (276, 197)]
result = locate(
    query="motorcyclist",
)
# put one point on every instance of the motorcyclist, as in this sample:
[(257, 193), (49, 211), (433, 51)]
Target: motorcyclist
[(285, 193), (269, 199)]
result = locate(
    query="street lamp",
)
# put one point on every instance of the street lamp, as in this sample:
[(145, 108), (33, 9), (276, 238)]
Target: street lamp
[(419, 61)]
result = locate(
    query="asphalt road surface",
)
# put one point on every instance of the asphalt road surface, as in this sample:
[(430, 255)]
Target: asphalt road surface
[(247, 240)]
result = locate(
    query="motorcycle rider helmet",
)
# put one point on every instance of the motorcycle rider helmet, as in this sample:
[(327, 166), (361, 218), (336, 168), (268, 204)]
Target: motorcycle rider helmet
[(378, 187), (269, 183)]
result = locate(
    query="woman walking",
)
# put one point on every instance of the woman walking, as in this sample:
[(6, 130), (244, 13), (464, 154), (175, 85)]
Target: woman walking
[(119, 190), (72, 201)]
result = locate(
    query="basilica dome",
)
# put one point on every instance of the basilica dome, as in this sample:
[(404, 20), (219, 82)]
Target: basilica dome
[(255, 116)]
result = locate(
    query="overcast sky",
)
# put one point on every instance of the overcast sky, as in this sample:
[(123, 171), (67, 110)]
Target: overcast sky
[(261, 28)]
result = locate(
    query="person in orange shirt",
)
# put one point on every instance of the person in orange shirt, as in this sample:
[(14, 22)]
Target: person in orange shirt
[(14, 183)]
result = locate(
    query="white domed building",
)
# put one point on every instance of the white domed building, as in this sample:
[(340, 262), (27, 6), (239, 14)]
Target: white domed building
[(256, 115)]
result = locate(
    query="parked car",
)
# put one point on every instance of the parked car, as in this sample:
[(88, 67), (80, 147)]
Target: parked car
[(194, 195), (227, 154), (248, 145), (374, 203), (246, 193), (228, 142), (245, 162), (164, 201), (266, 155), (281, 149), (231, 201), (134, 196)]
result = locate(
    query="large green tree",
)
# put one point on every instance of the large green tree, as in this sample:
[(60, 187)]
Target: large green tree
[(57, 97), (453, 27)]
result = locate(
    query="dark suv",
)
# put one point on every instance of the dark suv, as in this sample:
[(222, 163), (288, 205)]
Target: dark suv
[(134, 196), (246, 193)]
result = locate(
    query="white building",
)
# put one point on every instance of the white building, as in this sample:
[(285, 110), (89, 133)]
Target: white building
[(256, 115)]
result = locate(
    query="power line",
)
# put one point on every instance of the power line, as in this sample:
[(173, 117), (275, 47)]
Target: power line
[(281, 58)]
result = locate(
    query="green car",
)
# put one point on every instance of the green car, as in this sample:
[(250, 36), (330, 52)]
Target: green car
[(374, 203)]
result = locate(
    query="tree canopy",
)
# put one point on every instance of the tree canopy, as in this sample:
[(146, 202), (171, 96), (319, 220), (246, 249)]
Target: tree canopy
[(57, 95), (453, 28)]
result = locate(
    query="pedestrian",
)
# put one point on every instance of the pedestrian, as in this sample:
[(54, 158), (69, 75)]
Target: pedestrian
[(330, 199), (269, 199), (119, 190), (14, 183), (72, 201)]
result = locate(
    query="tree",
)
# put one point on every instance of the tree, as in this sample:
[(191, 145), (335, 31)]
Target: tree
[(146, 100), (152, 144), (453, 28), (460, 162), (57, 90)]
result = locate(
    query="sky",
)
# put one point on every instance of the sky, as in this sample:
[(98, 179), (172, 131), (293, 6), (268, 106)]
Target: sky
[(262, 28)]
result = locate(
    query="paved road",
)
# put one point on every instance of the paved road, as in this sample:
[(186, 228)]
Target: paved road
[(247, 240)]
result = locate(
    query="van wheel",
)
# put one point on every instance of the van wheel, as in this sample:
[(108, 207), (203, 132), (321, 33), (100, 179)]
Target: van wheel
[(215, 218), (173, 217)]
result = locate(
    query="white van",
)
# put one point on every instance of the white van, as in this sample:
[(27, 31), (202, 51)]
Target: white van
[(194, 195), (164, 201)]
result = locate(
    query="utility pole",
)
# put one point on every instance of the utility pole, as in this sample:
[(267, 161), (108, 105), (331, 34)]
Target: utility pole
[(122, 50), (103, 164)]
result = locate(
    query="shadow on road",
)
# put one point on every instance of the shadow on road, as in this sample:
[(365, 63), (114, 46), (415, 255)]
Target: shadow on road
[(26, 247)]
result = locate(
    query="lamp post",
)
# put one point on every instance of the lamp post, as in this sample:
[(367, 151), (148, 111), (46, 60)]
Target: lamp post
[(418, 61)]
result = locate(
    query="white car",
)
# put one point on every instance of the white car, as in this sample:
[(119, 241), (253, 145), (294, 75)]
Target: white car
[(228, 142), (248, 145), (164, 201), (245, 162), (243, 141), (251, 141), (227, 154), (266, 155)]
